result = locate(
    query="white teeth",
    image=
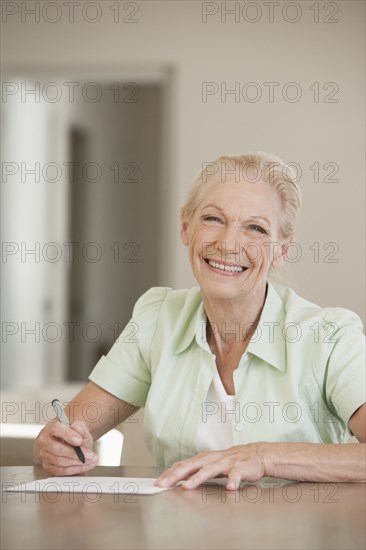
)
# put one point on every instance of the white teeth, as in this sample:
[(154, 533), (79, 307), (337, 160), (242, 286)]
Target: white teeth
[(223, 267)]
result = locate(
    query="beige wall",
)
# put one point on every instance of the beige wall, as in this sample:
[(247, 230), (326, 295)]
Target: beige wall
[(173, 34)]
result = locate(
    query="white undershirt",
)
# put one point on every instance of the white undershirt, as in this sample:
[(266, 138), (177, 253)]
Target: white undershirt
[(214, 431)]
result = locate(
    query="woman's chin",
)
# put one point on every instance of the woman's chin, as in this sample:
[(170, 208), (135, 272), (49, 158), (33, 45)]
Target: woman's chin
[(222, 290)]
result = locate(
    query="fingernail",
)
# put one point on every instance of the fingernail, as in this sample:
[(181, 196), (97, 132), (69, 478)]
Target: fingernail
[(187, 482), (76, 440), (89, 455), (163, 482)]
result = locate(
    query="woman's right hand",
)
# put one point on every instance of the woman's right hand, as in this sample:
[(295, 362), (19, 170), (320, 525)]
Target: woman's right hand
[(53, 449)]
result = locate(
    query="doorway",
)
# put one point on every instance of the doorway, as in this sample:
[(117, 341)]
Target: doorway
[(114, 218), (87, 207)]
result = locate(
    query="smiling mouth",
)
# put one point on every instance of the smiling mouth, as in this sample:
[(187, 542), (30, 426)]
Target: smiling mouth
[(225, 268)]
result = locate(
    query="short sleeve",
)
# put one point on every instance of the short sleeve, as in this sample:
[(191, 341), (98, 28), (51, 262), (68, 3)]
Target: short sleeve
[(125, 371), (345, 381)]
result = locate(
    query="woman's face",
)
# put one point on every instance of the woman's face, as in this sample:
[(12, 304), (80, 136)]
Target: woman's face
[(233, 238)]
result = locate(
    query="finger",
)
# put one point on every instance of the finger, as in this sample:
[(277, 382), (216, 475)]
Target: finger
[(56, 446), (234, 478), (65, 466), (71, 470), (66, 456), (69, 435), (184, 469), (179, 471), (205, 473), (80, 427)]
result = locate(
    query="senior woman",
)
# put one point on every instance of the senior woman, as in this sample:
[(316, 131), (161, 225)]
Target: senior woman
[(239, 377)]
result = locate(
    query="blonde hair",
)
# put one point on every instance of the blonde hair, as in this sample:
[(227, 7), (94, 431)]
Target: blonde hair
[(252, 167)]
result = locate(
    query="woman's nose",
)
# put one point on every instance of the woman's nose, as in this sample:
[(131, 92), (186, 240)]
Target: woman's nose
[(230, 243)]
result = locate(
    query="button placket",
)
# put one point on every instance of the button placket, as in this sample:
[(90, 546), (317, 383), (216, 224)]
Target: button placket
[(204, 379), (239, 427)]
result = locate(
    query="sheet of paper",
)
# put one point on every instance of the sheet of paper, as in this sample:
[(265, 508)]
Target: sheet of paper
[(81, 484)]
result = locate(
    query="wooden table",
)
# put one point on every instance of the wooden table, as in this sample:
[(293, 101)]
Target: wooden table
[(271, 514)]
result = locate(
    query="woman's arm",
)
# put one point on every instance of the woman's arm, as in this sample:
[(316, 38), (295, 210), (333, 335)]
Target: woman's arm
[(317, 462), (111, 410), (357, 424), (53, 446), (298, 461)]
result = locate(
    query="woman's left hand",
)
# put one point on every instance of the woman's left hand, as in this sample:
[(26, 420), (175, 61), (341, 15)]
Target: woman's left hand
[(239, 463)]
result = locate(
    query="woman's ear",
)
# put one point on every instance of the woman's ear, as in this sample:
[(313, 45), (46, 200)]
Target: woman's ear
[(280, 258), (184, 228)]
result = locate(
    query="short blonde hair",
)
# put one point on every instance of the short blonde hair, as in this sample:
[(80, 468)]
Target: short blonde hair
[(252, 167)]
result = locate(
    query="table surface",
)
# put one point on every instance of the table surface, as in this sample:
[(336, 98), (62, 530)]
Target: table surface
[(271, 514)]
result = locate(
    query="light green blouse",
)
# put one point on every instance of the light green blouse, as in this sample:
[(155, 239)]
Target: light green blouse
[(300, 379)]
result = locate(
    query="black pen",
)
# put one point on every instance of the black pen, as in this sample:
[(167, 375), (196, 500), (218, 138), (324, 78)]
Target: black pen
[(63, 418)]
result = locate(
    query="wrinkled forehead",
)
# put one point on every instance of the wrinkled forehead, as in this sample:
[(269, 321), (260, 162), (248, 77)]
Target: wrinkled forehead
[(241, 197)]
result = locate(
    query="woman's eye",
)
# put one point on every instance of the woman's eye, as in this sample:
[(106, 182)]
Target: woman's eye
[(212, 219), (257, 228)]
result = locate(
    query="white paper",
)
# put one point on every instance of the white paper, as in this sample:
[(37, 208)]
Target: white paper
[(88, 485)]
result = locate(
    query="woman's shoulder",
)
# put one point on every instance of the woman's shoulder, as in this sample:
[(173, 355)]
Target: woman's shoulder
[(159, 297), (303, 309)]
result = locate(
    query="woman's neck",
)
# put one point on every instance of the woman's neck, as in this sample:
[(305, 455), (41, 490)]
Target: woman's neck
[(232, 323)]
